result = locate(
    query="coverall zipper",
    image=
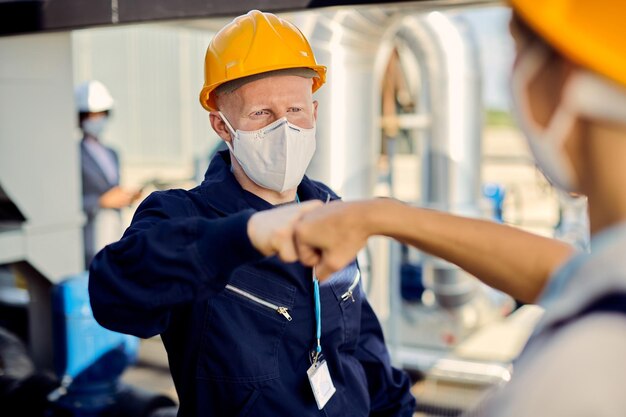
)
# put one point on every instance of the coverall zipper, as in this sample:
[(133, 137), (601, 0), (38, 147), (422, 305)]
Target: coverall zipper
[(283, 311), (355, 282)]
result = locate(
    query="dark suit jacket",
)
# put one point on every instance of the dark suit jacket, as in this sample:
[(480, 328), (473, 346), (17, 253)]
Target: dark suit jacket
[(95, 183)]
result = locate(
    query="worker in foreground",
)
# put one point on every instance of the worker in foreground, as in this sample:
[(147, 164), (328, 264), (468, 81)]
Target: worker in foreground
[(246, 334), (569, 90)]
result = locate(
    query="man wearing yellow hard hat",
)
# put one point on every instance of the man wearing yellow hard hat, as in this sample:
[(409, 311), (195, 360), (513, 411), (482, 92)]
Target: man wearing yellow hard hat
[(569, 90), (247, 334)]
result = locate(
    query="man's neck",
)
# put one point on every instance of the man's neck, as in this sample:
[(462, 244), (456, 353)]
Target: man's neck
[(604, 177), (271, 196)]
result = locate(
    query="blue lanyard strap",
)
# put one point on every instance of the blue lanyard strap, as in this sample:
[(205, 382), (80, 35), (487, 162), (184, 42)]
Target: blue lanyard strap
[(318, 306), (318, 314)]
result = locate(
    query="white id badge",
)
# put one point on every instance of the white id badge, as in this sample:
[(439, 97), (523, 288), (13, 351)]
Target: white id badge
[(321, 383)]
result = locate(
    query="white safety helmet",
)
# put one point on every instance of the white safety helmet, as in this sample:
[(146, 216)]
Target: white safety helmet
[(92, 97)]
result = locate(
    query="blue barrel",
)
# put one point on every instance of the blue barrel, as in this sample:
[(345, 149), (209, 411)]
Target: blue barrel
[(89, 359)]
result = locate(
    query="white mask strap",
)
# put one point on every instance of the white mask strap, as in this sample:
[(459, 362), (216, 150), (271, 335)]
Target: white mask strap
[(228, 125), (594, 96), (233, 134), (545, 142), (527, 69), (585, 93), (560, 124)]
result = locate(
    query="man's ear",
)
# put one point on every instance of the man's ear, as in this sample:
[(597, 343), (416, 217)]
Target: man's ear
[(315, 103), (217, 123)]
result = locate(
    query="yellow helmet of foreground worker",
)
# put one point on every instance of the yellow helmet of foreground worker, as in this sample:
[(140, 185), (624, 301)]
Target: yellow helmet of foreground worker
[(252, 44), (591, 33)]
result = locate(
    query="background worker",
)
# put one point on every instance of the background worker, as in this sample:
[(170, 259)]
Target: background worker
[(248, 334), (102, 195)]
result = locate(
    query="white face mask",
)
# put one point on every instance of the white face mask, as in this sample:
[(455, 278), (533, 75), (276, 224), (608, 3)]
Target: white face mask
[(546, 144), (276, 156), (94, 126), (584, 94)]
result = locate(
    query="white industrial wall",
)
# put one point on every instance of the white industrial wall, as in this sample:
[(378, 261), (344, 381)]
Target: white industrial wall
[(38, 156), (155, 73), (40, 172)]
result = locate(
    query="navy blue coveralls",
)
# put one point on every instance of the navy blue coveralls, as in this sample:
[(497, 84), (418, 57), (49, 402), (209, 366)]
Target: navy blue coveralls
[(186, 269)]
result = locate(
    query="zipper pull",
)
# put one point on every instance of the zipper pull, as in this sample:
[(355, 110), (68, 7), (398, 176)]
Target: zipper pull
[(347, 295), (284, 312)]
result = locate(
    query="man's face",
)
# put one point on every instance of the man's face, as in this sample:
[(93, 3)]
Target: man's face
[(545, 89), (542, 91), (259, 103)]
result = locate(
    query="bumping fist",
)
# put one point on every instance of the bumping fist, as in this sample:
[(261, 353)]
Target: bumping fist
[(272, 231), (326, 237), (331, 237)]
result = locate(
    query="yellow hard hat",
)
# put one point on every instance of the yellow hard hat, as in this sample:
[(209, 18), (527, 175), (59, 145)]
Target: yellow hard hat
[(591, 34), (255, 43)]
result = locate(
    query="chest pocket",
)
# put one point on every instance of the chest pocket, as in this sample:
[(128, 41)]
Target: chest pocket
[(346, 286), (243, 328)]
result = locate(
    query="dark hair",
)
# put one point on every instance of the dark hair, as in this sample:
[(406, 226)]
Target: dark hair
[(85, 114), (518, 23)]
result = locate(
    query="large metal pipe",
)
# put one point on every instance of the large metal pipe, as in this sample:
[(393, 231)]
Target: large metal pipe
[(347, 41), (356, 45), (447, 53)]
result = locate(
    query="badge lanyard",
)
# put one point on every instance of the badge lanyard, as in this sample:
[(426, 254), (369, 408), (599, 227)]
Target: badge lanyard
[(318, 308), (319, 376), (318, 318)]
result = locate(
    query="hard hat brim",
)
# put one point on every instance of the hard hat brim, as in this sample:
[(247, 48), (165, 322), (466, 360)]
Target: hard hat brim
[(207, 95)]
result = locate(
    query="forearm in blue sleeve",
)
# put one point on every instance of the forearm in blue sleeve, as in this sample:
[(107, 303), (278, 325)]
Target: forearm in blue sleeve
[(134, 283)]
